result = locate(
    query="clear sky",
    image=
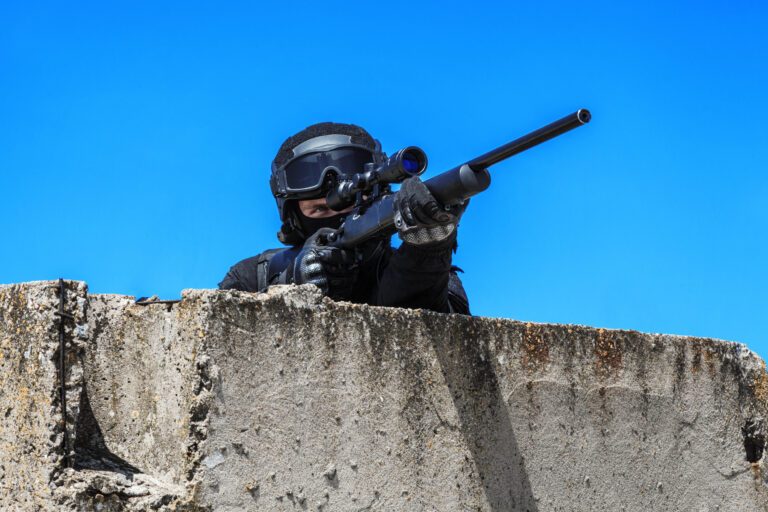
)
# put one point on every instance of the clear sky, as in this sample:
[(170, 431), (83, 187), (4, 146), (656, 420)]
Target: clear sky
[(136, 138)]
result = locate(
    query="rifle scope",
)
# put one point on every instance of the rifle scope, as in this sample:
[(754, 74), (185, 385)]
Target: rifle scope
[(411, 161)]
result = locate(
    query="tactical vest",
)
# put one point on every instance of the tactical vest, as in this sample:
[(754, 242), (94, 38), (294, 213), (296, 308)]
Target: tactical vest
[(271, 263)]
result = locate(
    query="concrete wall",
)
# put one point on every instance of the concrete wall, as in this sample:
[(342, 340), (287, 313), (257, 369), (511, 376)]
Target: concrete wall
[(289, 401), (31, 426)]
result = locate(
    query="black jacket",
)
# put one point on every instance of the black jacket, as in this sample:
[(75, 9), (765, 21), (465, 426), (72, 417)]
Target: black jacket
[(409, 277)]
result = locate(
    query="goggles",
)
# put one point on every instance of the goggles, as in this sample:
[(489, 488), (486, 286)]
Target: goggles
[(308, 172)]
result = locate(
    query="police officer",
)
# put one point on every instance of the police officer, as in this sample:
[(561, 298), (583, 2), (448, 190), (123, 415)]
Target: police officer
[(418, 274)]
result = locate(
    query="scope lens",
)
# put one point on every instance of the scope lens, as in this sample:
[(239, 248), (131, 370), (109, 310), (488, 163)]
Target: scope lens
[(410, 164)]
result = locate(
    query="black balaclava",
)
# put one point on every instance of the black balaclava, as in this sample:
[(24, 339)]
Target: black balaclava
[(309, 225)]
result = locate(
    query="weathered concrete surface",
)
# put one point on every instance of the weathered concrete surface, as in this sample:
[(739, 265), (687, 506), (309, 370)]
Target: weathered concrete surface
[(141, 377), (289, 401), (31, 426)]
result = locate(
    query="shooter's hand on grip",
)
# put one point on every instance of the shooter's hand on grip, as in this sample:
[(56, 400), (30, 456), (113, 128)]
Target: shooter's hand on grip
[(331, 269), (420, 219)]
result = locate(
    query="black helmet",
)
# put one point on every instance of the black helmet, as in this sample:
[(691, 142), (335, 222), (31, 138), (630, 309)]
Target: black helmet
[(313, 159)]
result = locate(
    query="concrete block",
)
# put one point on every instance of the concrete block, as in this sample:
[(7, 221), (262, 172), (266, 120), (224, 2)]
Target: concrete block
[(289, 401)]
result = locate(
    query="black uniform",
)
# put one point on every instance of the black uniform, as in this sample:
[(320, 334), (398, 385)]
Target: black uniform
[(410, 277)]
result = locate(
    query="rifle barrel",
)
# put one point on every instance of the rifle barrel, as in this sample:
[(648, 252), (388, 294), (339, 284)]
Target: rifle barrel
[(569, 122)]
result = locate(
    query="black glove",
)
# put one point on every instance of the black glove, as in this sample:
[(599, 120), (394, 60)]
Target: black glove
[(331, 269), (419, 218)]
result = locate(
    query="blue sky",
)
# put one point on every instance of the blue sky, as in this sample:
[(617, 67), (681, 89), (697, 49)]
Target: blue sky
[(136, 137)]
